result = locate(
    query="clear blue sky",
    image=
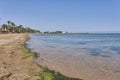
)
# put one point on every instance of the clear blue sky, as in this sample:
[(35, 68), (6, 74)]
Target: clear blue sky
[(65, 15)]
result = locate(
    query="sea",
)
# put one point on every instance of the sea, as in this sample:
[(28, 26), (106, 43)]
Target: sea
[(92, 56)]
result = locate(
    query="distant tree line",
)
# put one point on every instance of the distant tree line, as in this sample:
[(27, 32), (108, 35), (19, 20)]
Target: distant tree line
[(11, 27), (55, 32)]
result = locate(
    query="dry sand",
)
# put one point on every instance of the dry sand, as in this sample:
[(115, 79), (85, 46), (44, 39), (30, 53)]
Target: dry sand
[(12, 66)]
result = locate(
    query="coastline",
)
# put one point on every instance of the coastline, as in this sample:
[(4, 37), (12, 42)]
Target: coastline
[(17, 61), (68, 62), (12, 66)]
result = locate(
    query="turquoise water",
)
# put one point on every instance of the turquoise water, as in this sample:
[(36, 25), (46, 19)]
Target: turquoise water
[(95, 44)]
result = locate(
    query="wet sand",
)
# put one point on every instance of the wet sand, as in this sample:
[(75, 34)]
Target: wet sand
[(84, 65), (12, 66)]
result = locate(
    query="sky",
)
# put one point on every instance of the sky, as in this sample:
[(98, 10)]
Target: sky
[(64, 15)]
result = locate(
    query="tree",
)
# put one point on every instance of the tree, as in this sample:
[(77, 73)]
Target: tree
[(20, 28), (4, 28), (13, 25), (8, 23)]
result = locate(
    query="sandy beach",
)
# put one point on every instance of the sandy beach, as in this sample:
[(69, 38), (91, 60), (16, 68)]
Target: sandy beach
[(12, 66), (87, 67)]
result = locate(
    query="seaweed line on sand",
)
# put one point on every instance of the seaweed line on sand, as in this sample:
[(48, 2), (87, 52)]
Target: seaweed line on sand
[(45, 74)]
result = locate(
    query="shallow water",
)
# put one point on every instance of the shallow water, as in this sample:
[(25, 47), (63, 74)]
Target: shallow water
[(87, 56)]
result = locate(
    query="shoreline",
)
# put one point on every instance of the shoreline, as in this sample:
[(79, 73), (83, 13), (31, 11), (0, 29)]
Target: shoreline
[(75, 64), (16, 61)]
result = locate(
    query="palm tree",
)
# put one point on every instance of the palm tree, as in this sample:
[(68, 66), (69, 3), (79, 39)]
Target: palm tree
[(8, 24), (20, 28), (13, 25), (4, 28)]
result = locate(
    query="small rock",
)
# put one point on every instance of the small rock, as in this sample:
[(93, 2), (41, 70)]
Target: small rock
[(6, 76)]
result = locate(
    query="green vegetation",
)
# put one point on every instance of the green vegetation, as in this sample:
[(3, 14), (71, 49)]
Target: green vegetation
[(11, 27), (28, 52), (45, 74), (56, 32), (24, 48)]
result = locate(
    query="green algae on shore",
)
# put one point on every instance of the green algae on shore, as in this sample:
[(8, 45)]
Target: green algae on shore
[(45, 74)]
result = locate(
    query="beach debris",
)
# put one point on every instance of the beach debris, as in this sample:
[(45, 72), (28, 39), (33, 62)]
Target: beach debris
[(6, 76)]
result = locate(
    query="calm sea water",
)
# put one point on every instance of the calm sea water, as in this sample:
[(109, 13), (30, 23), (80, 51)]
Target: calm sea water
[(77, 55), (96, 44)]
